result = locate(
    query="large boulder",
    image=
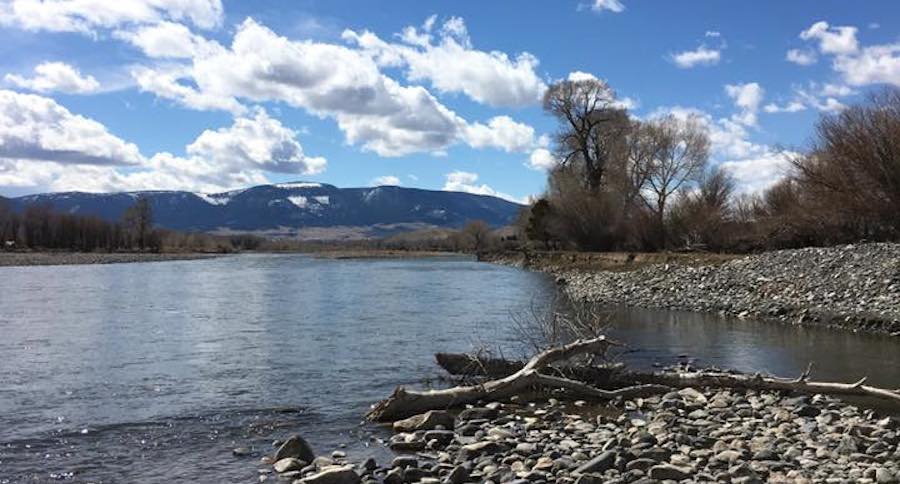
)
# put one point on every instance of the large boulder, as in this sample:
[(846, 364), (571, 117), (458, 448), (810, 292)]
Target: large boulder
[(295, 447), (426, 421), (333, 475)]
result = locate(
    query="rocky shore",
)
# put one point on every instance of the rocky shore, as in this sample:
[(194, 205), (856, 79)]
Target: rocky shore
[(855, 287), (8, 259), (682, 436)]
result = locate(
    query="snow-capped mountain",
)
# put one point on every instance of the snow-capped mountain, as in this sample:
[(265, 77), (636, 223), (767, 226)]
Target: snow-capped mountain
[(290, 206)]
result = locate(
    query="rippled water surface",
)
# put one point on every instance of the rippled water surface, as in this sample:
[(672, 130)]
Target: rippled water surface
[(154, 372)]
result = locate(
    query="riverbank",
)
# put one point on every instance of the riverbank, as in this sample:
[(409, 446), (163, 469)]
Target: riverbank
[(701, 436), (11, 259), (382, 254), (855, 287)]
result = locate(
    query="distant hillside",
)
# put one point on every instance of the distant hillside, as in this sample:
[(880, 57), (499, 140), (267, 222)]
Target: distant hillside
[(308, 210)]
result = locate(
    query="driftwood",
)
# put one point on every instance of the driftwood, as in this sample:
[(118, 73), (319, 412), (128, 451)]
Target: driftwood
[(404, 403), (461, 364), (534, 374)]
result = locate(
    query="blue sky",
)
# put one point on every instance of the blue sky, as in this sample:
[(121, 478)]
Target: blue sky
[(207, 96)]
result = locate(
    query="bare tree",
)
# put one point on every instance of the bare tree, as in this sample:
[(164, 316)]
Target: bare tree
[(139, 219), (478, 233), (680, 150), (592, 126), (852, 173)]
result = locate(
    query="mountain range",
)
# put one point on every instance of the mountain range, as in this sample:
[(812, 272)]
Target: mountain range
[(296, 209)]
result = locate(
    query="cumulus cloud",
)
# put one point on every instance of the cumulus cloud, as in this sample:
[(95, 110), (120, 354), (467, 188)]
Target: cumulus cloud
[(747, 97), (872, 65), (801, 57), (88, 16), (258, 142), (386, 180), (501, 132), (614, 6), (832, 40), (447, 60), (463, 181), (168, 40), (37, 128), (758, 173), (701, 56), (791, 107), (42, 144), (55, 77), (542, 159), (372, 110), (859, 66)]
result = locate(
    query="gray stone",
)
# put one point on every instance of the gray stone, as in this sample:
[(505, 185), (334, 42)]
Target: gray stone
[(295, 447), (288, 464), (599, 464), (668, 471), (468, 452), (404, 461), (333, 475), (458, 475), (426, 421)]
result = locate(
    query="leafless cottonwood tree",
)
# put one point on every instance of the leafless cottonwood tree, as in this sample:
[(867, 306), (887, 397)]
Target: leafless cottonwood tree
[(139, 219), (677, 155), (593, 126)]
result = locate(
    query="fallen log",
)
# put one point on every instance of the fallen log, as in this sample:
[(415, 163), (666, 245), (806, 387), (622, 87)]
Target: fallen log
[(759, 382), (405, 403), (461, 364)]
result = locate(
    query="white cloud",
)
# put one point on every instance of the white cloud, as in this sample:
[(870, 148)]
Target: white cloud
[(801, 57), (36, 128), (168, 40), (872, 65), (832, 40), (713, 34), (87, 16), (747, 97), (451, 65), (463, 181), (164, 82), (791, 107), (576, 76), (702, 56), (259, 142), (756, 174), (386, 180), (501, 132), (44, 145), (542, 159), (614, 6), (55, 77), (837, 90)]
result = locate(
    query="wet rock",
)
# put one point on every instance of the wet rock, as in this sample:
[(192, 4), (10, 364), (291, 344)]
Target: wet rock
[(426, 421), (295, 447), (333, 475), (241, 451), (288, 464)]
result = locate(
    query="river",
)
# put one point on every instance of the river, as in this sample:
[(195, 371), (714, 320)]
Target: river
[(154, 372)]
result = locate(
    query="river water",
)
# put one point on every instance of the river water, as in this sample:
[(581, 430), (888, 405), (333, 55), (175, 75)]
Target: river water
[(154, 372)]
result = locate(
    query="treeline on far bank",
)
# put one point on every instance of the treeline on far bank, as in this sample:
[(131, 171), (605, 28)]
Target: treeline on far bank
[(646, 185), (39, 227)]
